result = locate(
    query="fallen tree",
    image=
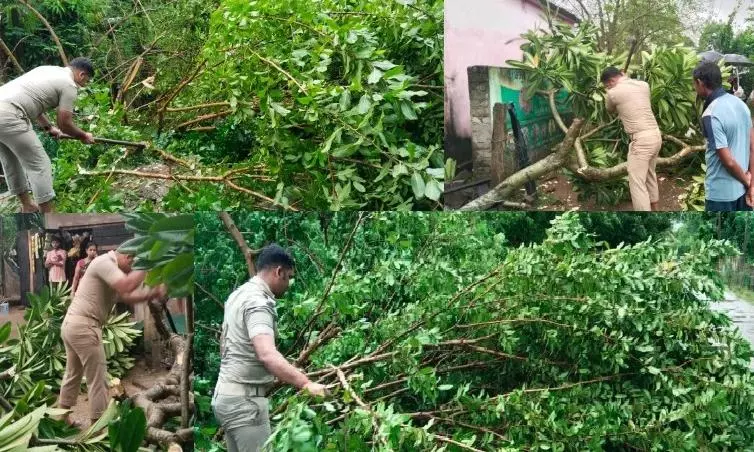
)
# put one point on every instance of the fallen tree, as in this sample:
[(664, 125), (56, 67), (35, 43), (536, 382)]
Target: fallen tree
[(563, 59), (567, 343)]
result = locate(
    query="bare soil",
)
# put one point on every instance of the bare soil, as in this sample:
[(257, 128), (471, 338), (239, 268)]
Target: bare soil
[(556, 193)]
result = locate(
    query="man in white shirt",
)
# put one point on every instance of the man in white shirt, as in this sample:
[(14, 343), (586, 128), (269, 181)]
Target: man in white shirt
[(28, 98)]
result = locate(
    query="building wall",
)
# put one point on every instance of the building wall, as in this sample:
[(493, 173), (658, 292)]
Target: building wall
[(486, 34)]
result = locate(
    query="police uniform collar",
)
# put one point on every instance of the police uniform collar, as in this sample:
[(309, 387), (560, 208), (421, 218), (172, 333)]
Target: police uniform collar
[(263, 285)]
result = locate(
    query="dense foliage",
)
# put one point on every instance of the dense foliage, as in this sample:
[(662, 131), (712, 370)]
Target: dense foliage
[(448, 336), (325, 105)]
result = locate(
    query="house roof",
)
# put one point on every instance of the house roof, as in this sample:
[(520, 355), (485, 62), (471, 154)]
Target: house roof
[(558, 10), (57, 221)]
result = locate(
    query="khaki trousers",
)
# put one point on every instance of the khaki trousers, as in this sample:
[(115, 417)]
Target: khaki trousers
[(84, 355), (22, 156), (246, 420), (642, 159)]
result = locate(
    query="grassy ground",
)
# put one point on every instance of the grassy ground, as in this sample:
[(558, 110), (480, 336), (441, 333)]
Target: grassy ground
[(743, 293)]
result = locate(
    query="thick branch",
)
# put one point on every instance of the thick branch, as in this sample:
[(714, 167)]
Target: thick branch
[(247, 252), (11, 57), (593, 174), (531, 172)]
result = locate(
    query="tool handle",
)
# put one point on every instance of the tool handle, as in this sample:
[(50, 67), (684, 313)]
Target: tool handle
[(109, 141)]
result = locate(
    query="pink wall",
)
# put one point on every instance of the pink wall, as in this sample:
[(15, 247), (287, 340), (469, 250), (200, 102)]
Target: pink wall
[(480, 33)]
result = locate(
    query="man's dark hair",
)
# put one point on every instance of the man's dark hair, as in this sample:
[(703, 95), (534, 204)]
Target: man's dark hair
[(610, 73), (83, 64), (709, 74), (274, 256)]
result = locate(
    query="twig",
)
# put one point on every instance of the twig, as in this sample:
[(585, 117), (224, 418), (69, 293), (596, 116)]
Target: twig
[(202, 129), (203, 118), (321, 303), (224, 179), (49, 27), (174, 94), (283, 71), (210, 295), (197, 107), (445, 439)]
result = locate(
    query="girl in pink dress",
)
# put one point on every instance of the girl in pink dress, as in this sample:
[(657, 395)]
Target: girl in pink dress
[(81, 265), (55, 262)]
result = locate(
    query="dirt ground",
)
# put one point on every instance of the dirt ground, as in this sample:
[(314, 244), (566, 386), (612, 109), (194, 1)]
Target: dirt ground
[(556, 193), (16, 318)]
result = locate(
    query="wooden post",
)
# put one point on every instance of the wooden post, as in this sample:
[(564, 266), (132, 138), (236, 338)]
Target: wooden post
[(499, 134)]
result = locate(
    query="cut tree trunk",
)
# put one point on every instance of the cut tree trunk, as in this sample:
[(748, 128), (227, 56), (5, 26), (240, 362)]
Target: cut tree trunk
[(532, 172), (162, 401)]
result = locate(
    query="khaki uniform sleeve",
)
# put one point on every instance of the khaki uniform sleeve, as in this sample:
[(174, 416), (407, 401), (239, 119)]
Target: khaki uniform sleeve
[(259, 318), (68, 98)]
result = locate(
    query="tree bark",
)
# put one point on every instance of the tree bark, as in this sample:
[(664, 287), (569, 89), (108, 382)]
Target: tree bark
[(158, 402), (531, 172), (248, 253)]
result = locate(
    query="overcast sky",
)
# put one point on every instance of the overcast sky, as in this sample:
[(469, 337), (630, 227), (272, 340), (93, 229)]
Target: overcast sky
[(721, 9)]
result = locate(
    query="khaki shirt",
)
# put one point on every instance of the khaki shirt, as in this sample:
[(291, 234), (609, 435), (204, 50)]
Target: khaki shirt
[(41, 90), (249, 311), (95, 295), (632, 100)]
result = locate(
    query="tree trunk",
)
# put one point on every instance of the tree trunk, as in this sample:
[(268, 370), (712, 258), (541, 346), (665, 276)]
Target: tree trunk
[(531, 172)]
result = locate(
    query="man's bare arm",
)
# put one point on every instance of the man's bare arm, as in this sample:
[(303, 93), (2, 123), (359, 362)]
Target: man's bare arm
[(44, 121), (141, 295), (65, 123), (735, 170), (129, 282), (275, 362)]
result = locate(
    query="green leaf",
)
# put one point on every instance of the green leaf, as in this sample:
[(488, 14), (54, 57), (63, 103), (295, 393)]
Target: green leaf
[(282, 111), (364, 103), (417, 184), (408, 110), (433, 190), (374, 76), (5, 331)]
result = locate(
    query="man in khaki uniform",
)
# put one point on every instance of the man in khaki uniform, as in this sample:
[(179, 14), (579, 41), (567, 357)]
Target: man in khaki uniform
[(631, 100), (28, 98), (107, 279), (250, 362)]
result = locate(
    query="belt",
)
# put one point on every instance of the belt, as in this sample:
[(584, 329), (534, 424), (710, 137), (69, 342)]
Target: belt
[(645, 133), (237, 389)]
